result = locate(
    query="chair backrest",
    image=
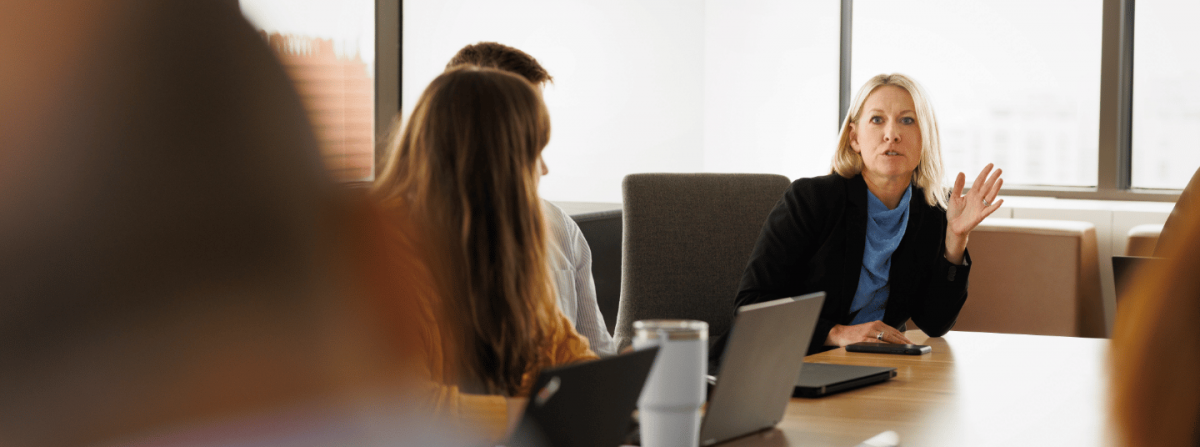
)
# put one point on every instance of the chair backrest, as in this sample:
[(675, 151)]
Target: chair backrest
[(1142, 239), (602, 230), (686, 242), (1038, 277)]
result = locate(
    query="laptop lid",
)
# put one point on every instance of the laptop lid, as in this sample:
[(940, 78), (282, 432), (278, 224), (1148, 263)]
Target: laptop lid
[(764, 352), (586, 404), (822, 379)]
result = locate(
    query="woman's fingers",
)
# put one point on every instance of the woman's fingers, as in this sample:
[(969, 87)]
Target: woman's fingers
[(894, 336), (994, 190), (981, 178), (959, 182), (990, 184)]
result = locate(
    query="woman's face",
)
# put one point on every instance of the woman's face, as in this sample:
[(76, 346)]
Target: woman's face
[(887, 134)]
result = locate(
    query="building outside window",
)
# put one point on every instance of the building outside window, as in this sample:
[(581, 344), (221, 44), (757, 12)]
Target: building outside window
[(328, 49)]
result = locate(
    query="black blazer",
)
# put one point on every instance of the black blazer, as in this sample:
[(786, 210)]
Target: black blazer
[(814, 240)]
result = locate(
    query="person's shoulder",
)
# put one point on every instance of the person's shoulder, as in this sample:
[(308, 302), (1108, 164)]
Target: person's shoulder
[(825, 187), (557, 218), (550, 209), (918, 200), (562, 231), (827, 181)]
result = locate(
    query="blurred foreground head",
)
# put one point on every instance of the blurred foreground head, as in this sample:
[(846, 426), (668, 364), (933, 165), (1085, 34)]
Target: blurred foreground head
[(1156, 345), (167, 231)]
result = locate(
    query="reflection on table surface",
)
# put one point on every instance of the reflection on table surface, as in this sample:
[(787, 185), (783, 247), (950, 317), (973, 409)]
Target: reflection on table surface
[(974, 389)]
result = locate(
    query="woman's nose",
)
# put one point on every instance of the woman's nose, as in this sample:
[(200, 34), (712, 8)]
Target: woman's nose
[(890, 135)]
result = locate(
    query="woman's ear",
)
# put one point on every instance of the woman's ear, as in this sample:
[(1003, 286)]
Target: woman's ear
[(854, 139)]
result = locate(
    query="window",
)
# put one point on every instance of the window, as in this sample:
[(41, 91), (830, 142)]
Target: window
[(1015, 83), (660, 86), (685, 86), (328, 48), (1166, 94)]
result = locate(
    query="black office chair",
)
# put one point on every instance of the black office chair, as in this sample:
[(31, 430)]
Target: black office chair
[(686, 242), (602, 230)]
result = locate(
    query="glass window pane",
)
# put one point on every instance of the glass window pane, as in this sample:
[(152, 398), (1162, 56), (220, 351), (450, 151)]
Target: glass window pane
[(655, 86), (1016, 83), (1166, 96), (328, 48)]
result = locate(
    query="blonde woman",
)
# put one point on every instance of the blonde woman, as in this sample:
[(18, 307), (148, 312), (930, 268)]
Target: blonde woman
[(881, 234), (459, 190)]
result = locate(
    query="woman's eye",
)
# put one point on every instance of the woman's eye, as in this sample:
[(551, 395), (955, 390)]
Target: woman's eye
[(907, 120), (876, 120)]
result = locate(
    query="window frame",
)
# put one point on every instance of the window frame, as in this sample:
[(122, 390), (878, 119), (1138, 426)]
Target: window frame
[(1114, 167), (389, 48)]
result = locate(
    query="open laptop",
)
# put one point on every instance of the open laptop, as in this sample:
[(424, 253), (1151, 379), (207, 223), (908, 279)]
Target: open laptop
[(762, 356), (585, 404)]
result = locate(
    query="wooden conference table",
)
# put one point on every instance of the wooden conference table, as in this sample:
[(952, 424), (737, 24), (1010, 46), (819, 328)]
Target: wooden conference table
[(975, 389)]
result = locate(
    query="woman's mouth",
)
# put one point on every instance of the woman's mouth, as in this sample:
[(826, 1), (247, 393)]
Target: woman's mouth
[(892, 153)]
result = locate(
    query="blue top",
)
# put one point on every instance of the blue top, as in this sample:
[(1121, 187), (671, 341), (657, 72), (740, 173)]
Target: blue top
[(885, 229)]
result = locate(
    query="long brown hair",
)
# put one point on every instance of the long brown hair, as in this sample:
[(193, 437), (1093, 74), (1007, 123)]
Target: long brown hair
[(466, 170), (1156, 348)]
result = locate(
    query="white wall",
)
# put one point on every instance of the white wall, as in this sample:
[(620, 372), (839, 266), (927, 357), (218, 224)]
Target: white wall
[(662, 86), (771, 86)]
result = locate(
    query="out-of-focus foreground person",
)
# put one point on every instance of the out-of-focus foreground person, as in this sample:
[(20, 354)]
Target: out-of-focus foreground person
[(1156, 346), (568, 252), (171, 261), (459, 189)]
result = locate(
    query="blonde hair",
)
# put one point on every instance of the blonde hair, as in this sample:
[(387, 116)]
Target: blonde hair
[(465, 169), (928, 174)]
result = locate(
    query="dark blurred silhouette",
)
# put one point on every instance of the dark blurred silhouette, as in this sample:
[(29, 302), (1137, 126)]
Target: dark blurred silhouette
[(1156, 343), (175, 265), (1174, 229)]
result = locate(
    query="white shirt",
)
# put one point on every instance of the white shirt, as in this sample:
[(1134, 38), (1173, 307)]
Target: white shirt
[(571, 267)]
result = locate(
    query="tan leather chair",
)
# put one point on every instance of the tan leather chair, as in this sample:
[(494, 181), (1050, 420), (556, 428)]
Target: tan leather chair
[(1142, 239), (1037, 277)]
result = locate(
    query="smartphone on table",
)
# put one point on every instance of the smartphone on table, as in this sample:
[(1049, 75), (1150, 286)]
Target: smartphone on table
[(889, 348)]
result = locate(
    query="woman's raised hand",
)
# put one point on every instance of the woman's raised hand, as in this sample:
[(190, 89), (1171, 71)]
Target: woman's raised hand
[(965, 212)]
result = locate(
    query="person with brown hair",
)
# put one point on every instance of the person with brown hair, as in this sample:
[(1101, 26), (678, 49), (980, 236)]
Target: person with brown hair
[(1156, 348), (501, 57), (460, 190), (570, 255)]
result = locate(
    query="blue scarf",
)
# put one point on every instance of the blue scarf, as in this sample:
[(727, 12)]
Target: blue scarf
[(885, 229)]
